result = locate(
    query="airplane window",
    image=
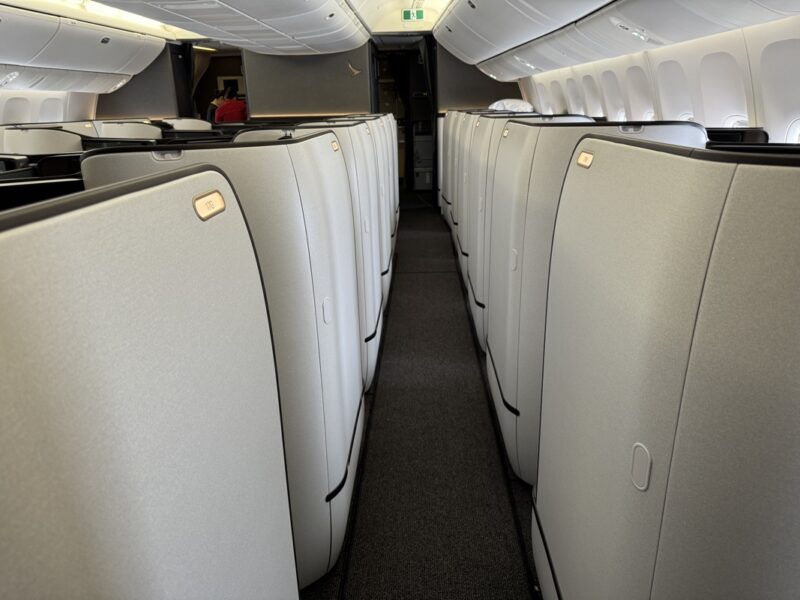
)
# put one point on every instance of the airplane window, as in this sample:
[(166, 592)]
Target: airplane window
[(17, 110), (594, 104), (793, 133), (737, 121)]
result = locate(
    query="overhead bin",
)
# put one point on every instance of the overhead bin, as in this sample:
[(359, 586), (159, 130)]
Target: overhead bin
[(295, 195), (476, 30), (90, 47), (44, 52), (141, 448)]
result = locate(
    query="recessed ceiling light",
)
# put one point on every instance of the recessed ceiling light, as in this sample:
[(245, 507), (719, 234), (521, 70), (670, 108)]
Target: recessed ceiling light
[(4, 81), (118, 85)]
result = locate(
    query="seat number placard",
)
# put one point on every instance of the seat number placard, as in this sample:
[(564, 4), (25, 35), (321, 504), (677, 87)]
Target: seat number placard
[(209, 205)]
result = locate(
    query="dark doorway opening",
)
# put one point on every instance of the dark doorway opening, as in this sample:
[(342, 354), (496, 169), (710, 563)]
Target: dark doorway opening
[(405, 85)]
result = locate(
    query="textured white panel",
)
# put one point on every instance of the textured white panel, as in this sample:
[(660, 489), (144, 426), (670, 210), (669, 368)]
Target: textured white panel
[(279, 27), (142, 452), (629, 26), (24, 34), (89, 47), (305, 243), (475, 30)]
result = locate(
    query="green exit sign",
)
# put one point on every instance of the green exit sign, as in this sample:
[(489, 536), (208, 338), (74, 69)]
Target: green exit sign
[(413, 14)]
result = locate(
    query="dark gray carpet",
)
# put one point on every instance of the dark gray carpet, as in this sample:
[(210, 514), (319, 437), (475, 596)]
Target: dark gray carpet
[(435, 515)]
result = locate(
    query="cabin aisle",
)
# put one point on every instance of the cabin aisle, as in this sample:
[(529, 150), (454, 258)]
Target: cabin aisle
[(434, 517)]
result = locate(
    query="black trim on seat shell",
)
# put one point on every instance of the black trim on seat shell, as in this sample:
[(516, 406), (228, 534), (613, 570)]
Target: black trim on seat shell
[(388, 268), (203, 146), (446, 200), (377, 323), (603, 123), (474, 295), (460, 249), (64, 204), (711, 155), (340, 486), (510, 408), (546, 549)]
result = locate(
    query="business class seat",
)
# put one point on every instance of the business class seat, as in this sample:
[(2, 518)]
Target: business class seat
[(448, 131), (359, 153), (387, 134), (82, 128), (184, 124), (141, 451), (39, 141), (475, 204), (388, 215), (466, 130), (531, 161), (452, 167), (296, 197), (459, 142), (128, 130), (669, 459)]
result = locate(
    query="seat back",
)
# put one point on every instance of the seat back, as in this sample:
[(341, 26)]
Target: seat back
[(141, 447), (295, 195), (361, 159), (189, 124), (630, 252), (128, 130), (35, 141), (730, 525), (532, 161)]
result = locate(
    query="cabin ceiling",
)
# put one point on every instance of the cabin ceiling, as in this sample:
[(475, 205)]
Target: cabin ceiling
[(630, 26), (268, 27), (507, 39), (473, 30)]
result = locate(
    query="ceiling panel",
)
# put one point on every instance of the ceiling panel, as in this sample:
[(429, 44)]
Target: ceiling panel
[(269, 27), (385, 16), (629, 26), (476, 30)]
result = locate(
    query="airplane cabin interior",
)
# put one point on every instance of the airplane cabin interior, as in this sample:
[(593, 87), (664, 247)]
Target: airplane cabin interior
[(399, 299)]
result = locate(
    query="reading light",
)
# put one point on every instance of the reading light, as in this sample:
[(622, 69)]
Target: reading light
[(118, 85), (204, 48), (525, 62), (4, 81)]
